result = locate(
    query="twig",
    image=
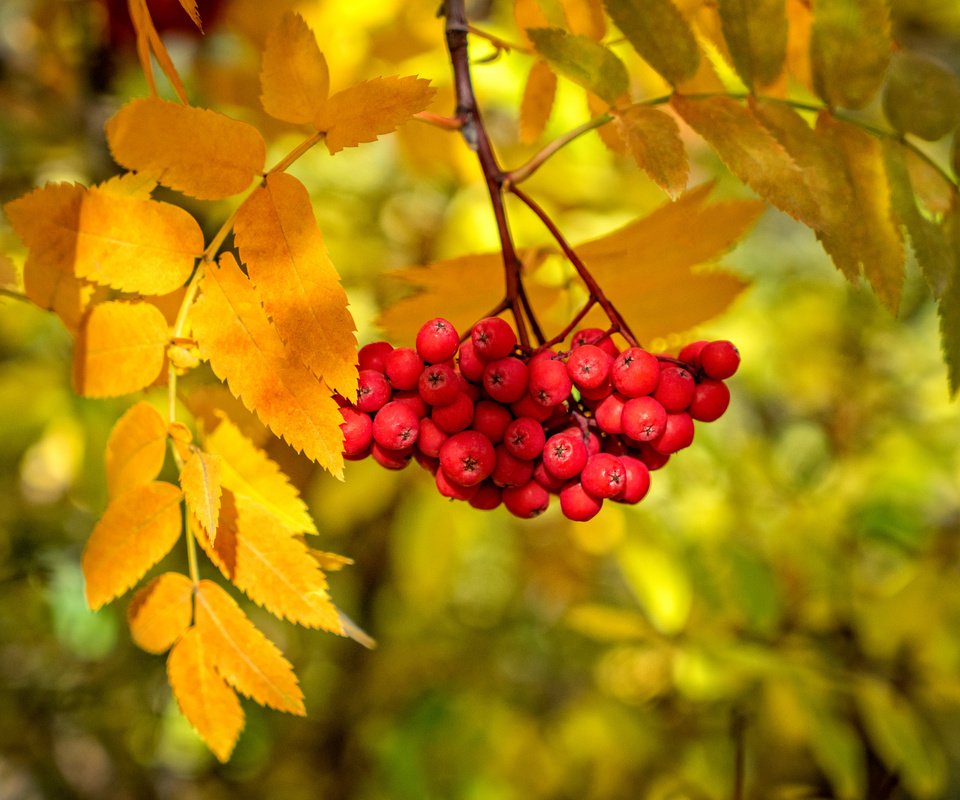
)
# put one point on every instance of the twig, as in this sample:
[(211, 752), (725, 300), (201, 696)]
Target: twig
[(523, 172), (14, 295)]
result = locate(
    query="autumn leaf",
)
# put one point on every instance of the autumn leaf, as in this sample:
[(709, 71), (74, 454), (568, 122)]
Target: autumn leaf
[(160, 612), (248, 472), (756, 33), (653, 138), (585, 17), (135, 449), (245, 350), (120, 349), (283, 249), (199, 152), (370, 109), (650, 262), (208, 703), (582, 60), (242, 655), (8, 272), (537, 103), (138, 529), (294, 79), (49, 287), (190, 6), (921, 96), (660, 34), (270, 565), (200, 481), (149, 41), (529, 14)]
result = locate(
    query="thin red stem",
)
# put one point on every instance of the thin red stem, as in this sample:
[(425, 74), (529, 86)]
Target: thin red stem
[(568, 329)]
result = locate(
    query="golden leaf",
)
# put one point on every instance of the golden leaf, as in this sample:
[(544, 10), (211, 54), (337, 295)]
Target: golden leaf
[(537, 103), (208, 703), (135, 449), (200, 480), (135, 532), (243, 656), (592, 65), (585, 17), (247, 471), (148, 40), (654, 141), (756, 33), (246, 351), (190, 6), (528, 14), (367, 110), (660, 34), (294, 78), (270, 565), (283, 249), (196, 151), (49, 287), (160, 612), (120, 349), (648, 263)]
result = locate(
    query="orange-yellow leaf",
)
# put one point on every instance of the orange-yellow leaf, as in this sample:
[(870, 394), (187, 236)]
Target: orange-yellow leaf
[(135, 532), (248, 472), (528, 14), (609, 134), (160, 612), (270, 565), (585, 17), (243, 656), (369, 109), (287, 261), (120, 349), (654, 141), (246, 351), (148, 40), (200, 480), (123, 240), (50, 287), (648, 263), (294, 79), (538, 97), (135, 449), (210, 706), (190, 6), (331, 562), (196, 151)]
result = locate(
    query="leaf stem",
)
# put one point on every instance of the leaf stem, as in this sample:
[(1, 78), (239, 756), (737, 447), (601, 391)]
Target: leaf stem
[(568, 328), (439, 121), (496, 41), (523, 172), (14, 295), (191, 548), (297, 151)]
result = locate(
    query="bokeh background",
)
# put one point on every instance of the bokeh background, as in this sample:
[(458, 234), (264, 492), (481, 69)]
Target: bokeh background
[(786, 598)]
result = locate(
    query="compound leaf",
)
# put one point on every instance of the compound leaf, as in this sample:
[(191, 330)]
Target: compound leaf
[(135, 449), (160, 612), (756, 34), (538, 97), (584, 61), (200, 480), (921, 96), (660, 34), (654, 141), (294, 78)]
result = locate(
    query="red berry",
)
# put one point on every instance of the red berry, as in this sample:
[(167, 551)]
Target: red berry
[(677, 434), (510, 470), (431, 465), (454, 416), (491, 419), (493, 338), (471, 367), (487, 497), (439, 385), (597, 393), (550, 383), (546, 480), (638, 480), (588, 366), (454, 491), (526, 501), (577, 504), (675, 390), (371, 355), (403, 367), (437, 341), (635, 372), (470, 389), (389, 458), (395, 426), (720, 359), (591, 440), (467, 458), (690, 354), (357, 430), (603, 476), (431, 438), (544, 354), (710, 400), (413, 401), (653, 459), (526, 406), (609, 414), (524, 438), (564, 455), (373, 391), (505, 379), (643, 418), (597, 337)]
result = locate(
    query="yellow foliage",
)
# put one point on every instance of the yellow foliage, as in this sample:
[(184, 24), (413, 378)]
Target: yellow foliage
[(653, 139), (294, 75), (537, 103), (135, 449), (200, 480), (160, 612)]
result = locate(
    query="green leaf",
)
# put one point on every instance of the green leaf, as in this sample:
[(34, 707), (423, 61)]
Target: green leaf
[(756, 34), (922, 96), (660, 34), (653, 138), (904, 742), (948, 309), (849, 50), (583, 61)]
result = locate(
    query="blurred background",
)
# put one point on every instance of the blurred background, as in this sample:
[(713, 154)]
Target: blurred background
[(787, 598)]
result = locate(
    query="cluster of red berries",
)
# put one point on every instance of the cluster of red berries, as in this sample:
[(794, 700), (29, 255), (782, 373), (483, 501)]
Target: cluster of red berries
[(497, 427)]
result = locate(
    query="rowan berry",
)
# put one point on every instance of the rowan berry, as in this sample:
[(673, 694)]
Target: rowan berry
[(635, 372), (677, 434), (430, 438), (357, 430), (373, 391), (720, 359), (637, 482), (588, 366), (690, 354), (505, 379), (510, 470), (609, 413), (390, 458), (487, 497), (439, 385), (597, 337), (710, 400), (451, 489), (549, 482), (455, 416), (413, 401), (577, 504), (675, 389), (371, 355), (467, 457), (524, 438), (395, 426), (549, 383), (526, 406), (403, 367), (493, 338), (526, 501), (564, 455), (471, 366), (651, 458), (437, 341), (603, 476), (491, 419), (643, 418)]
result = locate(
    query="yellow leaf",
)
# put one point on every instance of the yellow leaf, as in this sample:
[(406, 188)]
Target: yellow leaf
[(660, 34), (654, 141), (135, 532), (648, 263), (51, 288), (247, 471), (135, 449), (120, 349), (196, 151), (528, 14), (331, 562), (161, 611), (270, 565), (243, 656), (585, 17), (537, 103), (756, 33), (246, 351), (148, 40), (200, 480), (210, 706), (586, 62), (294, 78), (608, 133), (190, 6), (370, 109), (126, 241), (287, 261)]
